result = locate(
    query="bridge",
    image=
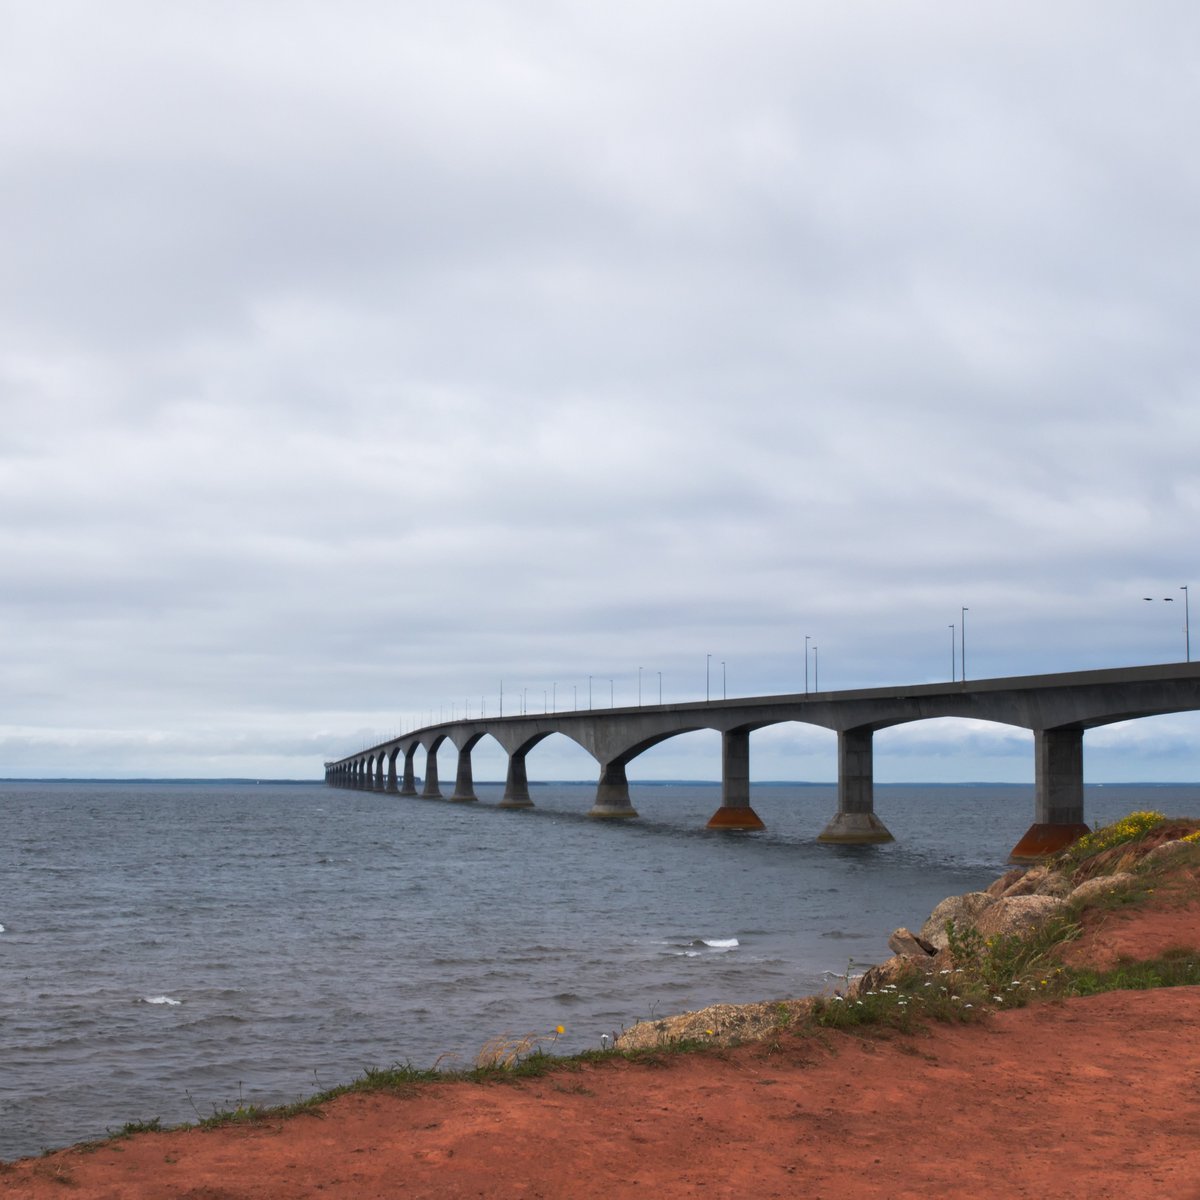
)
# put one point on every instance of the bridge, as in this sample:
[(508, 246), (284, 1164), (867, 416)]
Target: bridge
[(1057, 708)]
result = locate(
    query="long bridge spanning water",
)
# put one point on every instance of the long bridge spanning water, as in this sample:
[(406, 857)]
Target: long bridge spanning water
[(1057, 708)]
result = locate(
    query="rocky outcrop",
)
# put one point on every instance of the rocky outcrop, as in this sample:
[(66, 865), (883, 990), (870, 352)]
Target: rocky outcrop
[(1090, 889), (1017, 915), (962, 910)]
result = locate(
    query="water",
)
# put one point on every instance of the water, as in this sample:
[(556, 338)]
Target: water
[(168, 948)]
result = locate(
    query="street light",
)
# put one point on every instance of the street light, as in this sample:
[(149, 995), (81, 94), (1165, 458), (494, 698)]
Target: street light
[(953, 655), (1187, 631), (611, 702), (724, 693), (962, 630), (816, 670), (806, 637)]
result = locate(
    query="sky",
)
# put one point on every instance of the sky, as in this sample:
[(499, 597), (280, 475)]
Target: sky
[(359, 360)]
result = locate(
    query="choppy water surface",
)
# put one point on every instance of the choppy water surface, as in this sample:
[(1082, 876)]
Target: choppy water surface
[(168, 948)]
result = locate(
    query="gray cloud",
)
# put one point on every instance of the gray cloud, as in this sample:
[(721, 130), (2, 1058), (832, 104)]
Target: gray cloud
[(352, 363)]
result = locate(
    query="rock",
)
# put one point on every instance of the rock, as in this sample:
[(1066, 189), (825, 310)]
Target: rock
[(1029, 882), (1165, 850), (962, 910), (1055, 884), (891, 970), (1092, 888), (1017, 914), (999, 886), (907, 944)]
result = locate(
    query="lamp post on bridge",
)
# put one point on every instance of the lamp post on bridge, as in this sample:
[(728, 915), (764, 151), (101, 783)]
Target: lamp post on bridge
[(1187, 630), (724, 693), (611, 695), (807, 636), (953, 655), (962, 633)]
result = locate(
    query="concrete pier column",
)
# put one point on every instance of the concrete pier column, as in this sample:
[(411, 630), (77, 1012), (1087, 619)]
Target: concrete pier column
[(431, 791), (380, 781), (735, 811), (612, 793), (516, 783), (856, 822), (392, 785), (464, 784), (408, 785), (1058, 795)]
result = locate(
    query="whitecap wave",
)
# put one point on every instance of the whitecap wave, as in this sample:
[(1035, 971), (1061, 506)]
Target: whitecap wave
[(160, 1000), (1, 928), (720, 943)]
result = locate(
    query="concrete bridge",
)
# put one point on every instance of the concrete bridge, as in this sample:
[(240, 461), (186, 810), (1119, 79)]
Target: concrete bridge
[(1057, 708)]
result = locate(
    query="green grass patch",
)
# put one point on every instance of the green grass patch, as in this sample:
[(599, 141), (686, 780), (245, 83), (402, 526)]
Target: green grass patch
[(1179, 968)]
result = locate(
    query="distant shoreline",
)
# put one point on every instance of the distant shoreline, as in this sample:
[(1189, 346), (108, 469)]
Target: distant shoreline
[(713, 783)]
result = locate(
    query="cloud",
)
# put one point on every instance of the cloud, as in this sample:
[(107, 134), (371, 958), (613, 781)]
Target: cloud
[(352, 363)]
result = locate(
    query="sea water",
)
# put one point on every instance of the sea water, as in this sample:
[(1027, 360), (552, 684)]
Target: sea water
[(168, 949)]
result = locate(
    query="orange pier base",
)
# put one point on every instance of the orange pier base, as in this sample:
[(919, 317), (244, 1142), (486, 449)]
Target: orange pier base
[(1041, 840), (730, 817)]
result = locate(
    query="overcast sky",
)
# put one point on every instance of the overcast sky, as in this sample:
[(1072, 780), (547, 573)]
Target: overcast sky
[(357, 357)]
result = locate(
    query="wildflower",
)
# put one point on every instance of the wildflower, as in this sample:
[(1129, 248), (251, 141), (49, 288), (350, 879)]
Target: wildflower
[(968, 1006), (709, 1032), (998, 999), (559, 1029)]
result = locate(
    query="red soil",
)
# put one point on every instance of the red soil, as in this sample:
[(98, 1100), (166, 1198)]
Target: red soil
[(1095, 1097)]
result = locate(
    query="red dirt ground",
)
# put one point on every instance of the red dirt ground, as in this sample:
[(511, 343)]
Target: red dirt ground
[(1096, 1097)]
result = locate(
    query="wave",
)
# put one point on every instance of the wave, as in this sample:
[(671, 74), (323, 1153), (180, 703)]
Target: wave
[(160, 1000), (720, 943)]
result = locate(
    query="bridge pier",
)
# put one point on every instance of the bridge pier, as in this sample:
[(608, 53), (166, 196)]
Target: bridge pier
[(856, 823), (516, 783), (464, 783), (735, 811), (1058, 795), (612, 793), (408, 786), (379, 783), (392, 785), (431, 791)]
